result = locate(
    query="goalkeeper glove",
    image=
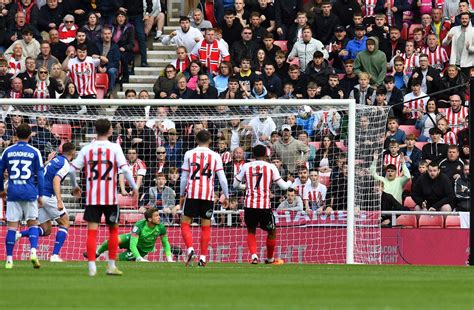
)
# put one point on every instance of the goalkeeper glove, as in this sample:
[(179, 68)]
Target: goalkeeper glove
[(142, 260), (169, 259)]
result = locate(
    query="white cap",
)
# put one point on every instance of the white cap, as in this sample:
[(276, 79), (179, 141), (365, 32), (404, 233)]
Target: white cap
[(286, 127)]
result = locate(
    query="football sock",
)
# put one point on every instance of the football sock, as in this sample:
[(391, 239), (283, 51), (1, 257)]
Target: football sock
[(33, 234), (252, 243), (113, 243), (202, 257), (92, 266), (187, 236), (26, 232), (91, 237), (10, 241), (271, 243), (205, 238), (111, 264), (61, 236)]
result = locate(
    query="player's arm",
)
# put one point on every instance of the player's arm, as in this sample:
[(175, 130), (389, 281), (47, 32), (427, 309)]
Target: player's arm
[(122, 184), (135, 235), (57, 191), (222, 177), (2, 170), (278, 180), (166, 247), (139, 181)]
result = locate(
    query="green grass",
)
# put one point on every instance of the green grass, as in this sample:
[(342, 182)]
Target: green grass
[(236, 286)]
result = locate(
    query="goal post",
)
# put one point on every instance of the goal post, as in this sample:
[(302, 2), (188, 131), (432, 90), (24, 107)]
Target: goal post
[(349, 234)]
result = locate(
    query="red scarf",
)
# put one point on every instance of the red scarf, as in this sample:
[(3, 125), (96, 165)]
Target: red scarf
[(209, 55), (181, 66), (27, 10), (15, 95)]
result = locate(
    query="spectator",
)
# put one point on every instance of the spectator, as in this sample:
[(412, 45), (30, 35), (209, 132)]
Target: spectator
[(456, 114), (245, 75), (393, 156), (80, 9), (4, 136), (143, 140), (15, 30), (412, 154), (430, 78), (292, 202), (199, 22), (241, 13), (186, 35), (139, 170), (30, 46), (231, 28), (67, 30), (204, 90), (267, 15), (258, 90), (16, 89), (50, 15), (181, 90), (452, 166), (326, 123), (448, 136), (427, 119), (16, 61), (58, 74), (29, 8), (400, 75), (362, 93), (221, 81), (397, 44), (257, 30), (164, 84), (336, 46), (394, 97), (92, 27), (303, 136), (192, 73), (356, 45), (285, 15), (45, 58), (325, 23), (305, 49), (281, 66), (291, 151), (28, 77), (82, 71), (437, 56), (464, 7), (210, 52), (462, 48), (295, 128), (418, 39), (372, 61), (260, 61), (414, 102), (45, 88), (431, 193), (298, 79), (183, 61), (42, 137), (462, 188), (451, 78), (380, 30), (313, 91), (326, 156), (123, 34), (434, 151), (5, 78), (314, 196), (312, 8), (350, 79), (58, 48), (450, 10), (109, 55), (81, 38), (70, 92), (295, 32), (244, 48), (394, 133), (233, 167), (261, 126), (162, 163), (270, 80), (338, 191), (157, 17), (393, 10), (163, 198), (301, 181), (232, 91), (463, 140), (438, 26), (107, 10), (319, 69), (174, 148)]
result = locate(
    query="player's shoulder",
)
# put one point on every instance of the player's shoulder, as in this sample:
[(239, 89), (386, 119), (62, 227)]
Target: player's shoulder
[(139, 225)]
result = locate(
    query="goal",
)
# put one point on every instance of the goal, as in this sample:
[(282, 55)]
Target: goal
[(338, 220)]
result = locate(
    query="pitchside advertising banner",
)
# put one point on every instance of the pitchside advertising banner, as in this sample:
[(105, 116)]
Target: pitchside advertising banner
[(296, 232)]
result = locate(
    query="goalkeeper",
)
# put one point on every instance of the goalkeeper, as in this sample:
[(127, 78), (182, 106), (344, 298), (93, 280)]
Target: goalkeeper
[(142, 239)]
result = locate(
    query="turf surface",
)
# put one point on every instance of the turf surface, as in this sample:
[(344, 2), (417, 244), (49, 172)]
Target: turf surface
[(236, 286)]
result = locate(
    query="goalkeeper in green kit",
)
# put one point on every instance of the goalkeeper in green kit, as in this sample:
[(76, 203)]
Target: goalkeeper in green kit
[(142, 239)]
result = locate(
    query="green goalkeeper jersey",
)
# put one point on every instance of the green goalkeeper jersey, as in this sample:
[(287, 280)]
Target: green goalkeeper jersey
[(147, 236)]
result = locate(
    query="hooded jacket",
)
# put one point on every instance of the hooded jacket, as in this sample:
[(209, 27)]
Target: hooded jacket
[(374, 63), (305, 50)]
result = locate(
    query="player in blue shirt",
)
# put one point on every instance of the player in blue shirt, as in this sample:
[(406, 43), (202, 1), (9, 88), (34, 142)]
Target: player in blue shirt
[(55, 171), (25, 190)]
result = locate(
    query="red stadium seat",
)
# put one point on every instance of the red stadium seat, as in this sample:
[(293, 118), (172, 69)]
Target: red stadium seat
[(101, 84), (453, 221), (325, 180), (64, 131), (409, 202), (407, 221), (404, 33), (340, 76), (442, 111), (79, 219), (127, 202), (295, 61), (420, 144), (341, 146), (412, 28), (132, 218), (282, 44), (407, 186), (431, 221), (317, 145), (410, 129)]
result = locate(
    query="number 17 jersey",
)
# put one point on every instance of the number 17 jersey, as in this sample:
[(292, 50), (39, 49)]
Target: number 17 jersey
[(101, 161), (202, 164)]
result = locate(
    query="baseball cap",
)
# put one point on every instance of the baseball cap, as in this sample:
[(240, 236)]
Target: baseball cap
[(318, 54), (339, 29), (286, 127), (360, 27)]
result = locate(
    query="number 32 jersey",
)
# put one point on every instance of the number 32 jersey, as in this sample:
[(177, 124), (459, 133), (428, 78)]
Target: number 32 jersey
[(258, 176), (202, 164), (101, 161)]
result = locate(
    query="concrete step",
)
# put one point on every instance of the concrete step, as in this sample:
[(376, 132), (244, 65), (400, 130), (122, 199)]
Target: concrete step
[(158, 46), (154, 71), (138, 86), (169, 29), (143, 78), (173, 22), (161, 55), (155, 62), (121, 94)]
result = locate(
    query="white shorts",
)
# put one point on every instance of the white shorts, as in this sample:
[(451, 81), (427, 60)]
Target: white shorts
[(18, 210), (49, 211)]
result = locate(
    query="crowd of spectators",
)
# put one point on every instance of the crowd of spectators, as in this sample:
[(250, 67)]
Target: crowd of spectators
[(415, 56)]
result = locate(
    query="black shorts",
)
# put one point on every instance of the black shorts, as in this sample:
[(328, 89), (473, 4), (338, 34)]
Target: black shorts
[(198, 208), (262, 218), (93, 213)]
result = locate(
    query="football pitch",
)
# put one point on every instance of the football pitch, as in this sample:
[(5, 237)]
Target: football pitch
[(236, 286)]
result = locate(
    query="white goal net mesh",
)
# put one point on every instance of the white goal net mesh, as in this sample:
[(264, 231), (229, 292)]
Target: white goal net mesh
[(307, 143)]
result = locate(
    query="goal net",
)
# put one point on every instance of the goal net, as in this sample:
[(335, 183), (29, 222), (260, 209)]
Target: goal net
[(308, 141)]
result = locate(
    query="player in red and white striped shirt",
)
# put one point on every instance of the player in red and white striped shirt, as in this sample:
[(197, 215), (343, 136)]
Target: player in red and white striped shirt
[(82, 71), (259, 176), (138, 172), (314, 196), (437, 55), (100, 161), (456, 114), (200, 166)]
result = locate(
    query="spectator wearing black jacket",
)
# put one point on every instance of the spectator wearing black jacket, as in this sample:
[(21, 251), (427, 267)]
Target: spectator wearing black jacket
[(244, 48), (181, 90), (325, 23), (113, 56), (430, 192), (285, 15), (337, 44), (399, 6), (231, 28), (452, 166), (271, 81), (298, 80), (318, 70), (344, 9), (15, 30), (80, 9), (295, 32), (430, 77), (204, 90), (350, 79), (28, 77), (28, 7), (58, 48), (412, 153), (434, 151), (394, 97), (107, 10), (333, 89), (50, 15), (125, 42)]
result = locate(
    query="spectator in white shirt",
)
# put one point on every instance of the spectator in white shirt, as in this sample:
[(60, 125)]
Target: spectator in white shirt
[(186, 35)]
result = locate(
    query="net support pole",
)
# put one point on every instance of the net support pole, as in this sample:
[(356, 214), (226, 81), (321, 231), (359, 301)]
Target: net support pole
[(351, 137), (471, 173)]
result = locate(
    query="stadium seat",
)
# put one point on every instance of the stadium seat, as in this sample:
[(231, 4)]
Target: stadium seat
[(340, 76), (341, 146), (404, 33), (420, 144), (101, 84), (409, 202), (79, 219), (282, 44), (442, 111), (453, 221), (295, 61), (407, 186), (407, 221), (127, 202), (132, 218), (431, 221), (410, 129), (325, 180), (64, 131), (317, 145), (411, 29)]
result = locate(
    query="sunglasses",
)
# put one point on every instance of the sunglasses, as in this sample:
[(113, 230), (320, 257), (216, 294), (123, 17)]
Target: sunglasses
[(43, 72), (160, 153), (69, 22)]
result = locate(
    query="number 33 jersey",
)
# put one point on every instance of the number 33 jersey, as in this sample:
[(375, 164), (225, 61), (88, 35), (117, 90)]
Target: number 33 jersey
[(202, 164), (258, 176), (101, 161), (24, 165)]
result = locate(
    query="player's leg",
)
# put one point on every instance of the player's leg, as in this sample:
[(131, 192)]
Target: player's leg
[(123, 243), (112, 217), (92, 216), (206, 211), (30, 211), (61, 236), (190, 211), (267, 222), (14, 214), (251, 224)]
